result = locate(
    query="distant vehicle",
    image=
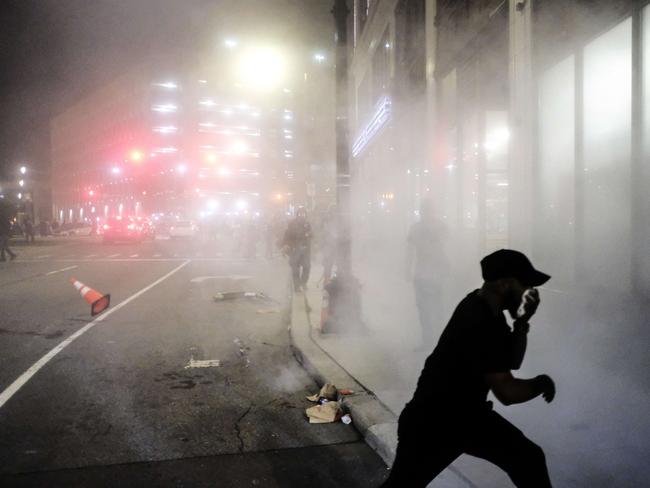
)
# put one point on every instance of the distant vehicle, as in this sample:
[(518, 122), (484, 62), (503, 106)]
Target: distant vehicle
[(183, 228), (146, 228), (121, 229)]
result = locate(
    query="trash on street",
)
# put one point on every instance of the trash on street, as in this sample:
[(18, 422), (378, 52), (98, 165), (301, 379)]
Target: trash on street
[(203, 363), (328, 391), (324, 414)]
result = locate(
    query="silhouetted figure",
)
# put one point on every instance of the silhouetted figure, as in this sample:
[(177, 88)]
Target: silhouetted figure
[(251, 238), (297, 245), (329, 242), (5, 232), (449, 413), (29, 229), (426, 266)]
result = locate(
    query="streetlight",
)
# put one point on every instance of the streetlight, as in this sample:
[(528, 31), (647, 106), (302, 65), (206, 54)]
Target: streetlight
[(261, 69), (23, 170), (319, 57)]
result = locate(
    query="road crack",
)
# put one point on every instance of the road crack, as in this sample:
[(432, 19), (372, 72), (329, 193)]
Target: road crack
[(238, 427)]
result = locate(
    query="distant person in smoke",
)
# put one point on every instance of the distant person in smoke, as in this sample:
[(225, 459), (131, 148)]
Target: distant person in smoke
[(297, 245), (426, 266), (29, 229), (328, 242), (449, 413), (5, 231)]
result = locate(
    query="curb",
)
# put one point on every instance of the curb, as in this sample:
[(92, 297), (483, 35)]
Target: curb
[(374, 421), (371, 418)]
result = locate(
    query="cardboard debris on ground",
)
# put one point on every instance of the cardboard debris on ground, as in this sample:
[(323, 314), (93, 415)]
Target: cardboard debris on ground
[(269, 310), (328, 391), (230, 295), (325, 413), (203, 363)]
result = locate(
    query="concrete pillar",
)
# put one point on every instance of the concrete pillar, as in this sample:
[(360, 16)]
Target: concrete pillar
[(431, 39), (522, 113)]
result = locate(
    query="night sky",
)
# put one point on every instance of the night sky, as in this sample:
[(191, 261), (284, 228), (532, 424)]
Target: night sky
[(52, 52)]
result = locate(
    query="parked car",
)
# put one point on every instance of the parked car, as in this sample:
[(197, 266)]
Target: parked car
[(121, 229), (183, 228)]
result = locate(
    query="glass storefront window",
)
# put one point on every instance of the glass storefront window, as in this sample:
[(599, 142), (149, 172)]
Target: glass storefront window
[(469, 170), (607, 120), (555, 227), (643, 236), (496, 143)]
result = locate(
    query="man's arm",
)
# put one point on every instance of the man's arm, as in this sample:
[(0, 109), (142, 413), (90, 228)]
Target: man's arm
[(510, 390), (519, 343)]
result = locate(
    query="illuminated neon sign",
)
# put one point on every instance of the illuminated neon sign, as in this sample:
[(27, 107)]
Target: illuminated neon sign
[(379, 119)]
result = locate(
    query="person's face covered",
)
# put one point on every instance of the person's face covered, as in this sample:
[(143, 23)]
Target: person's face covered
[(514, 292)]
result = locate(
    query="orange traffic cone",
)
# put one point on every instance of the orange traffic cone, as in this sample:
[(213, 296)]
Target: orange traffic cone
[(98, 302)]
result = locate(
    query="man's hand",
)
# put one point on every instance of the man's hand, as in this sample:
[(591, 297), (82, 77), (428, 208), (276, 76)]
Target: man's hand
[(546, 386), (531, 302)]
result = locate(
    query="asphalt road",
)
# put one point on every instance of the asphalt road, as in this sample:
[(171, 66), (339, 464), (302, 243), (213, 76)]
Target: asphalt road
[(120, 406)]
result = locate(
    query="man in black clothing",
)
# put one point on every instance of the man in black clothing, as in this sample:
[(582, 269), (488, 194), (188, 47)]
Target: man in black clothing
[(297, 245), (449, 413), (426, 266), (5, 231)]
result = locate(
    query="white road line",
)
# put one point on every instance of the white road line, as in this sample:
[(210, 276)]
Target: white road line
[(114, 255), (44, 256), (91, 256), (134, 255), (139, 260), (12, 389), (61, 270), (157, 255)]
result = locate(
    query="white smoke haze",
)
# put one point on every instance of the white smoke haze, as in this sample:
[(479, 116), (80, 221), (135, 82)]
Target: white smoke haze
[(588, 224)]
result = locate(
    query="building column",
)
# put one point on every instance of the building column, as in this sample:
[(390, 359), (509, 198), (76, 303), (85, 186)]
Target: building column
[(431, 39), (522, 114)]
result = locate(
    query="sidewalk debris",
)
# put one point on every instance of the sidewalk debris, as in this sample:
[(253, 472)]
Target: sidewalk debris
[(203, 363), (329, 408), (328, 391), (230, 295), (325, 413)]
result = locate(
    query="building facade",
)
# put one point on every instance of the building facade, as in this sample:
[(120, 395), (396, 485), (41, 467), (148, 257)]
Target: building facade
[(523, 121), (191, 142)]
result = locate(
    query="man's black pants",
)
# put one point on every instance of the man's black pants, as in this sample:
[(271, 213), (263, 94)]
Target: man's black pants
[(300, 262), (424, 451)]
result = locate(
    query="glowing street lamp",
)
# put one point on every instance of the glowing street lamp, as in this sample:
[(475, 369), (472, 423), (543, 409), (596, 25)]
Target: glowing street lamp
[(21, 183), (23, 170), (136, 156), (319, 58), (230, 43), (261, 69), (239, 148)]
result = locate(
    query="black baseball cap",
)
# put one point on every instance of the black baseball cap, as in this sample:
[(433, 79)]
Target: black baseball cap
[(508, 263)]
